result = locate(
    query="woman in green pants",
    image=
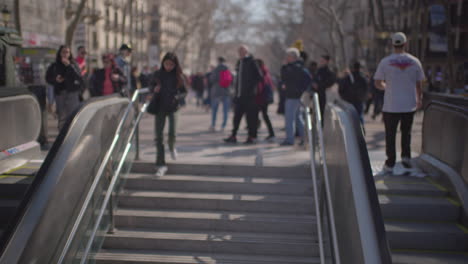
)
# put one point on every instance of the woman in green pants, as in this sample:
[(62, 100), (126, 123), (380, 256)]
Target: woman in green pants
[(169, 89)]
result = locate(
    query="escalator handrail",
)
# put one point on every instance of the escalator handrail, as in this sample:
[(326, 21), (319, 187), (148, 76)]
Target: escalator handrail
[(110, 190), (315, 185), (373, 227), (100, 173), (315, 106)]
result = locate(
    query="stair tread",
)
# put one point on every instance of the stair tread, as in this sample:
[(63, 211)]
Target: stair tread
[(214, 215), (8, 179), (413, 188), (221, 179), (197, 257), (429, 258), (422, 227), (217, 196), (214, 236), (413, 200)]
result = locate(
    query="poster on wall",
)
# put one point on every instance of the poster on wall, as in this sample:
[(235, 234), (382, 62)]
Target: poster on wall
[(438, 41)]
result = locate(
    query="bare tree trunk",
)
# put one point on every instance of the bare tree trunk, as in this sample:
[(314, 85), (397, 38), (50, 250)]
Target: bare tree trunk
[(381, 14), (372, 15), (17, 13), (70, 31)]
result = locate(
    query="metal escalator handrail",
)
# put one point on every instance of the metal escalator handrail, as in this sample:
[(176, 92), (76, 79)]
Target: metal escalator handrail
[(315, 186), (110, 190), (314, 104), (318, 116), (100, 173)]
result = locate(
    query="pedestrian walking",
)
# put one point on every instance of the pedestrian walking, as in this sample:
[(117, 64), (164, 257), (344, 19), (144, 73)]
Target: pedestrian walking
[(169, 88), (123, 62), (65, 76), (265, 97), (247, 79), (353, 89), (145, 77), (377, 98), (109, 79), (296, 81), (324, 78), (401, 76), (198, 86), (221, 78)]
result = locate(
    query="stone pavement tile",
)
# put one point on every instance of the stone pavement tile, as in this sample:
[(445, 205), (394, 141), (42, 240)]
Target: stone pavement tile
[(196, 144)]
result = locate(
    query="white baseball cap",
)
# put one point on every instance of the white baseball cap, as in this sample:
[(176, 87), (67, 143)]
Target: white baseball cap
[(399, 39)]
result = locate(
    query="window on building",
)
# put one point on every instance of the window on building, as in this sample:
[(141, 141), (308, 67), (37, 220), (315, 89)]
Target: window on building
[(116, 19), (95, 41), (107, 16)]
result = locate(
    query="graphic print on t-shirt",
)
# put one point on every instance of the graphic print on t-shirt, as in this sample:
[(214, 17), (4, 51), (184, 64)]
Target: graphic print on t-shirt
[(402, 64)]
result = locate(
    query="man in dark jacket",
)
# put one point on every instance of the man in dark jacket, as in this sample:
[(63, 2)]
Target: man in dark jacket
[(247, 79), (324, 78), (296, 81), (353, 89)]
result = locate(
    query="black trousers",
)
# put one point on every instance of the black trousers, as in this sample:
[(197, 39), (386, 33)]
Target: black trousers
[(249, 107), (391, 121), (266, 118)]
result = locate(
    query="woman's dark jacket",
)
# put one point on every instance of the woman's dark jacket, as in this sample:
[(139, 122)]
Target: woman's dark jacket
[(99, 78), (169, 96), (71, 73)]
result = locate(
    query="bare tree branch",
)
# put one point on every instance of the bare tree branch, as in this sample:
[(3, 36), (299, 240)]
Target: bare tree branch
[(70, 31)]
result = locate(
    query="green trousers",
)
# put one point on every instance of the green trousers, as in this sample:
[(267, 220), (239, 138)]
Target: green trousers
[(160, 122)]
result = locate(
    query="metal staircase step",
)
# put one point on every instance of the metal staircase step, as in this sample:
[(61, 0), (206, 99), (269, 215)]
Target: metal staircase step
[(220, 242), (215, 221), (429, 258), (418, 208), (426, 236), (7, 210), (410, 187), (299, 172), (194, 183), (185, 257), (216, 201), (14, 186)]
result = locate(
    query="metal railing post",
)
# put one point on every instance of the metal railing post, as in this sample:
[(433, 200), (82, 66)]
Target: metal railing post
[(315, 185), (111, 216), (137, 143)]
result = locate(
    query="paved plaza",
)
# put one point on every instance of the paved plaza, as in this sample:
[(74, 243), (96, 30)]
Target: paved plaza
[(197, 145)]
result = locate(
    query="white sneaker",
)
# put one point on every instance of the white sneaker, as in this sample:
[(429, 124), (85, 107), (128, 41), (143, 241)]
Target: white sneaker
[(174, 154), (386, 170), (161, 171)]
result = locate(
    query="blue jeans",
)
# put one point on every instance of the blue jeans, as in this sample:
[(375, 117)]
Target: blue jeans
[(293, 115), (215, 101)]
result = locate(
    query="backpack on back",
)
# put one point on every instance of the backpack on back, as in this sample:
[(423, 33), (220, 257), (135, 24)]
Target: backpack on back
[(225, 78)]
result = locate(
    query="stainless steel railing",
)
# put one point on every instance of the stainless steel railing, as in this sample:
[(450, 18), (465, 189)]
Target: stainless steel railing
[(320, 179), (99, 176)]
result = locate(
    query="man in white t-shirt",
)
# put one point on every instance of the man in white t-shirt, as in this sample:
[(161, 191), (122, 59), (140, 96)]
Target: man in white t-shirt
[(401, 76)]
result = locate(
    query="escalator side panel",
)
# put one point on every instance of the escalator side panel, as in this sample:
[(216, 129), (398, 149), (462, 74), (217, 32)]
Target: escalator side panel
[(54, 205), (360, 229)]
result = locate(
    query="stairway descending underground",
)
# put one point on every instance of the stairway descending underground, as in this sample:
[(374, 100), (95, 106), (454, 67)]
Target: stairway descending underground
[(422, 221), (219, 216)]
